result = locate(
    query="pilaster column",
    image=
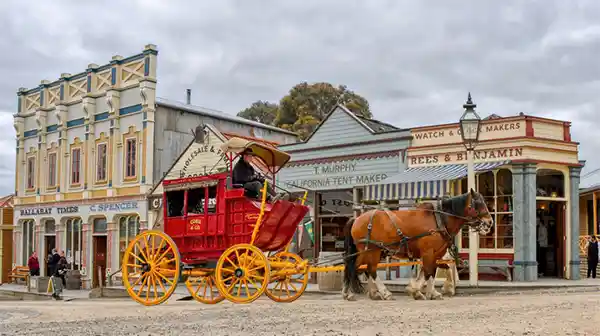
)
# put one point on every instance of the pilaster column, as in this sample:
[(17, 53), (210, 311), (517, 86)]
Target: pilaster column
[(63, 150), (518, 222), (112, 251), (17, 245), (530, 236), (574, 262), (20, 150), (60, 233), (86, 262)]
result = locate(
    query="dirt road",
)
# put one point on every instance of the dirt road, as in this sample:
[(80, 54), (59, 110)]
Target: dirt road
[(526, 314)]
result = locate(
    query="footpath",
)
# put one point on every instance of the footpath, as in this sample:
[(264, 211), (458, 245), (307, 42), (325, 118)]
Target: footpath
[(12, 292)]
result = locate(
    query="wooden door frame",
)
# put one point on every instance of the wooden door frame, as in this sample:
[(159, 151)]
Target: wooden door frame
[(93, 271)]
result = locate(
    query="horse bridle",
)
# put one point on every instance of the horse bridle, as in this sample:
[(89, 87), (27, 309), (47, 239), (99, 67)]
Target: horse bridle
[(473, 217)]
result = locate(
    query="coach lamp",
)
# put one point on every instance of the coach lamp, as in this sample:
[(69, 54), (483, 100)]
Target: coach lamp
[(470, 125)]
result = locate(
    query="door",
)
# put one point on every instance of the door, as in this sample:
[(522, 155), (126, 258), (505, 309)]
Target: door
[(99, 264), (561, 238), (7, 250), (49, 243)]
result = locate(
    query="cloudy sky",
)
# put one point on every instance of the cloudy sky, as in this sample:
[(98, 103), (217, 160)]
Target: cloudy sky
[(414, 61)]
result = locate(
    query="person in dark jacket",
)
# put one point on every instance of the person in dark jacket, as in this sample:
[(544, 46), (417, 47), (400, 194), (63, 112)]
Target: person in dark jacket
[(59, 273), (244, 174), (592, 254), (34, 264), (52, 261)]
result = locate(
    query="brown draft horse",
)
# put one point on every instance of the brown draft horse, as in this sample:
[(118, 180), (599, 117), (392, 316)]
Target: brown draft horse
[(425, 232)]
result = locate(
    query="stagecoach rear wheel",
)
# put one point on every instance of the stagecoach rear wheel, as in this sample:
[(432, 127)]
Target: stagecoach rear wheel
[(204, 289), (288, 287), (242, 273), (151, 267)]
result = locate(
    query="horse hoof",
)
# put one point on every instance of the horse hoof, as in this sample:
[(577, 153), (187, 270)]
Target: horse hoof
[(388, 297), (375, 296), (350, 298), (419, 296)]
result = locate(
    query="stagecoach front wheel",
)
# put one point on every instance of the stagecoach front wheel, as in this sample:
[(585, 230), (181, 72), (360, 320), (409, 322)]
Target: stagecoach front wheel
[(151, 267), (204, 289), (242, 273), (287, 282)]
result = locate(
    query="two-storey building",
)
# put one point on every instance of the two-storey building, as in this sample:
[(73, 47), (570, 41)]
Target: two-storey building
[(89, 148)]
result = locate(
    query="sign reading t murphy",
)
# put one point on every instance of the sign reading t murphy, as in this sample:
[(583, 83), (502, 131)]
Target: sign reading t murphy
[(338, 175)]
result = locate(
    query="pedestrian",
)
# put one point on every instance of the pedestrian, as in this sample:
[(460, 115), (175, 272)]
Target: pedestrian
[(592, 254), (34, 265), (59, 274), (52, 261)]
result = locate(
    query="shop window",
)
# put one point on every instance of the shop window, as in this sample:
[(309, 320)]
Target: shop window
[(100, 225), (175, 203), (496, 188), (130, 158), (75, 166), (129, 227), (101, 162), (28, 232), (52, 170), (550, 183), (74, 253)]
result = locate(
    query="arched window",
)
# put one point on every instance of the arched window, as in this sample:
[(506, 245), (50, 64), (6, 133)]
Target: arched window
[(28, 231), (100, 225), (129, 227), (550, 183), (74, 253)]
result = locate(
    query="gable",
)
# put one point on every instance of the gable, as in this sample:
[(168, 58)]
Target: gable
[(339, 127)]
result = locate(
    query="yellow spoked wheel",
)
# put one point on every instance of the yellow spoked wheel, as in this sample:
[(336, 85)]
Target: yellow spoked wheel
[(287, 287), (204, 289), (242, 273), (151, 267)]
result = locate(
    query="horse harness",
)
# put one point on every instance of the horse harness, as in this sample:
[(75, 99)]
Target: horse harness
[(440, 219)]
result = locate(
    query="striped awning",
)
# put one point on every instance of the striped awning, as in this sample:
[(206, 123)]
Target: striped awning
[(422, 182)]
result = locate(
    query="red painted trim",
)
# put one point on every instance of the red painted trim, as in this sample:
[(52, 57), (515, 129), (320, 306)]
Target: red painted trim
[(499, 140), (567, 132), (550, 162), (346, 157), (491, 256), (193, 179), (529, 128)]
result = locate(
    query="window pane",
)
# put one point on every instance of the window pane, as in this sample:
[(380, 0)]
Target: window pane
[(50, 226), (505, 231), (100, 225)]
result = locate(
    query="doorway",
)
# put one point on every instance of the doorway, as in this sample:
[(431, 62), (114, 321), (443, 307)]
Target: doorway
[(551, 239), (49, 244), (99, 264)]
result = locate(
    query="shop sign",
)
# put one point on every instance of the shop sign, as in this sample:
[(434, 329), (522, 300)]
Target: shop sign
[(336, 203), (217, 152), (347, 174), (48, 211), (480, 155), (155, 202), (455, 131), (114, 207)]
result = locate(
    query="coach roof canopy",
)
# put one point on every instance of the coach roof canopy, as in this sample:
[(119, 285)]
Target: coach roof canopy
[(272, 157)]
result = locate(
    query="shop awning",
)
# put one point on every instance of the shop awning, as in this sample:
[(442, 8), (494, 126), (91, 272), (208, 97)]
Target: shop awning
[(422, 182)]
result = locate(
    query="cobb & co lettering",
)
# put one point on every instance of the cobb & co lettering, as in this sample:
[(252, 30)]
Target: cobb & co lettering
[(489, 128), (348, 176), (207, 170), (481, 155), (195, 224)]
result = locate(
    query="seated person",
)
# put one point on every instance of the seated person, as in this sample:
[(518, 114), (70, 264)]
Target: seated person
[(244, 174)]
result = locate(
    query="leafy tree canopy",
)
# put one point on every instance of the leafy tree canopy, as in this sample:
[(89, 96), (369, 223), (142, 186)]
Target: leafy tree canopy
[(303, 108)]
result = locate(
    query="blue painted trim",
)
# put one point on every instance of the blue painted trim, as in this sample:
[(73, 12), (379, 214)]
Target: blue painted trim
[(30, 91), (113, 76), (62, 92), (145, 115), (57, 189), (89, 83), (101, 116), (75, 122), (143, 179), (130, 109), (38, 191), (41, 97), (85, 186), (19, 102), (110, 183), (30, 133), (52, 128), (150, 52), (102, 68), (77, 76), (146, 66), (144, 124), (87, 128), (87, 136)]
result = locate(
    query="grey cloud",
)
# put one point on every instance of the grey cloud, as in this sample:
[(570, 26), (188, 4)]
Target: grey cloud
[(413, 60)]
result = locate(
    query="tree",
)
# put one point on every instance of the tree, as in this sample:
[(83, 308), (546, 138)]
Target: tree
[(305, 106), (260, 111)]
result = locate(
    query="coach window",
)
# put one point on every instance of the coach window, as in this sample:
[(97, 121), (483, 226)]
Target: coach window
[(212, 199), (175, 201), (195, 201)]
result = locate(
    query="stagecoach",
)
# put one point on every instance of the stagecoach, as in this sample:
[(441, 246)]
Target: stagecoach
[(224, 244)]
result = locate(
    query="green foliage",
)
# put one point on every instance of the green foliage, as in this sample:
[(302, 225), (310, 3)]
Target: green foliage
[(303, 108)]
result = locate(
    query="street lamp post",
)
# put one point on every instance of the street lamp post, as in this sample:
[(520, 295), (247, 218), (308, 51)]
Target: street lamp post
[(470, 126)]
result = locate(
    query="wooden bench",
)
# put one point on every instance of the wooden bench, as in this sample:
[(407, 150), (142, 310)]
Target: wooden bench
[(504, 267), (19, 272)]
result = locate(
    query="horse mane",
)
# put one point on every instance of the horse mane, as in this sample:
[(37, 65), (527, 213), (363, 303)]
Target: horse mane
[(455, 205)]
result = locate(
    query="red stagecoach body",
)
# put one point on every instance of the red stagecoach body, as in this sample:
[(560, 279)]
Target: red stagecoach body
[(222, 216)]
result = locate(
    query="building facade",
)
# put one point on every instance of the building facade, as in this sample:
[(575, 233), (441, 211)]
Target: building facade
[(6, 236), (89, 148), (527, 169), (343, 151)]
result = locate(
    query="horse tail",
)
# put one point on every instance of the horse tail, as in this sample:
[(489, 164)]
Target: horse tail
[(351, 280)]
